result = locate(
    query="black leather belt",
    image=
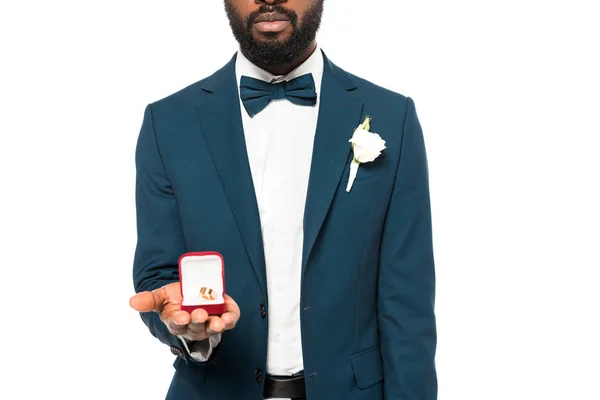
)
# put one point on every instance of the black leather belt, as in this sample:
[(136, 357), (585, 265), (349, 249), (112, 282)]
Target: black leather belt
[(287, 387)]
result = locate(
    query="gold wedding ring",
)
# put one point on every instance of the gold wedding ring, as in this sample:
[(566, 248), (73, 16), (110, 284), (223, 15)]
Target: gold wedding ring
[(207, 293)]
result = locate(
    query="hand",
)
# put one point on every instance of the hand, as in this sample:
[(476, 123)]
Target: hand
[(195, 326)]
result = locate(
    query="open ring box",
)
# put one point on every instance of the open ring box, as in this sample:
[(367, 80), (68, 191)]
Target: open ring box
[(202, 282)]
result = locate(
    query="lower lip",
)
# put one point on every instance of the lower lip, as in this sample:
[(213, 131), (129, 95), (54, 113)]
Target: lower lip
[(275, 26)]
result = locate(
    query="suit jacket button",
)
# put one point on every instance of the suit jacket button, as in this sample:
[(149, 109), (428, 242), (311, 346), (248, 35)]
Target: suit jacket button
[(258, 375), (177, 352), (263, 311)]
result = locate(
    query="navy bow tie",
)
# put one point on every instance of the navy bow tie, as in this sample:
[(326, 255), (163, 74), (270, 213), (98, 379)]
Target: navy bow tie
[(257, 94)]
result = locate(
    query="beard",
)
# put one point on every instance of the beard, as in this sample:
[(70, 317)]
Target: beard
[(273, 52)]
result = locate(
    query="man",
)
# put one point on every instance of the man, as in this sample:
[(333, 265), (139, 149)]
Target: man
[(327, 244)]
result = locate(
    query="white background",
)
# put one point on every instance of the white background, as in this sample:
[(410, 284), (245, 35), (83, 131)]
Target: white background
[(508, 96)]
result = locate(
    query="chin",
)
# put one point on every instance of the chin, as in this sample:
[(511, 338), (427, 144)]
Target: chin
[(279, 37)]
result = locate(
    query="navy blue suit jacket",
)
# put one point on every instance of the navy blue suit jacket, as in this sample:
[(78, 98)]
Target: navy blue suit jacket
[(367, 298)]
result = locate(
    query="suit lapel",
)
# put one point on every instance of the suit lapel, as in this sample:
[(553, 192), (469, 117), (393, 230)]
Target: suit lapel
[(220, 118), (339, 114)]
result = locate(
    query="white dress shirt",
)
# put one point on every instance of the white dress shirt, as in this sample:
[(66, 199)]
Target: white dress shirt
[(279, 141)]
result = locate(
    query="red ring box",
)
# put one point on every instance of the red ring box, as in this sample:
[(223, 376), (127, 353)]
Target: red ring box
[(202, 270)]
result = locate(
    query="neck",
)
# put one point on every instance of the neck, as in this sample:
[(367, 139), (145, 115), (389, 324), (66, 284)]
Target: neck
[(285, 69)]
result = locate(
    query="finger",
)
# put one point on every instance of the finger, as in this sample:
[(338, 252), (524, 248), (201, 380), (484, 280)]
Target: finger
[(180, 317), (198, 321), (199, 316), (231, 305), (147, 301), (215, 324), (178, 322), (230, 320), (232, 315)]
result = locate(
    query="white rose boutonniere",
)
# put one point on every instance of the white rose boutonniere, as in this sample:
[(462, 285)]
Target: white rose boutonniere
[(367, 146)]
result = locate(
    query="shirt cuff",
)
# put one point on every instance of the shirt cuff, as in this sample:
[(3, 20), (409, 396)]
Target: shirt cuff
[(200, 351)]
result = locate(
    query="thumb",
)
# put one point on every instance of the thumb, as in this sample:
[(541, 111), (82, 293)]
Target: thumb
[(148, 301)]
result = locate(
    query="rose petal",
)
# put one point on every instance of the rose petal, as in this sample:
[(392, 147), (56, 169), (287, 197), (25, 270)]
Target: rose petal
[(367, 146)]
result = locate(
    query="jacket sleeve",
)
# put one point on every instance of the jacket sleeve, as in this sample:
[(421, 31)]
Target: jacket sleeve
[(406, 287), (160, 238)]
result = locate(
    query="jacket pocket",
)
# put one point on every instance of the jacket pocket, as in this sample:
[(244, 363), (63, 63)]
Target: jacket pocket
[(367, 366), (365, 171)]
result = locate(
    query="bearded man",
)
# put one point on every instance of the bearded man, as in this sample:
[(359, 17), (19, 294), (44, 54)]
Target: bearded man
[(312, 184)]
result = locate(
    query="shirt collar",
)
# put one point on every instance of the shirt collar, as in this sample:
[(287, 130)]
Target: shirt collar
[(312, 65)]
